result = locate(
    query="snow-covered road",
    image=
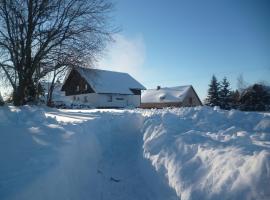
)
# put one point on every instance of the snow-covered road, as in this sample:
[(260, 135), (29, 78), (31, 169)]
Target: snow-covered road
[(191, 153), (80, 155)]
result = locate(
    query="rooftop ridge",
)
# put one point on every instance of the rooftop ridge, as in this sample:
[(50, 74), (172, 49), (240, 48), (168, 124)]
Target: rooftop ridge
[(171, 88), (105, 70)]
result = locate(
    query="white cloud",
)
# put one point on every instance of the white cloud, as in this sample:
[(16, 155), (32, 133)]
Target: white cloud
[(125, 55)]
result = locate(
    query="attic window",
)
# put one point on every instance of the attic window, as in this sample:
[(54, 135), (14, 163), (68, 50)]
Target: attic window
[(77, 88), (85, 87), (162, 97)]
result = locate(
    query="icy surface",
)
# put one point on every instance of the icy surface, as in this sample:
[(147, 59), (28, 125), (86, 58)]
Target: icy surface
[(188, 153), (167, 94)]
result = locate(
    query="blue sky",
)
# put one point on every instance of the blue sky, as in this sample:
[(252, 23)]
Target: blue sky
[(180, 42)]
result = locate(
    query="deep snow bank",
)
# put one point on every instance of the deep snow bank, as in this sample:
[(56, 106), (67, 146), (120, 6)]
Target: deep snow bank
[(208, 153), (84, 155), (201, 153)]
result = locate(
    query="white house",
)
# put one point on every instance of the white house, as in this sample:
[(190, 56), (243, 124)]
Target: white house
[(102, 88), (181, 96)]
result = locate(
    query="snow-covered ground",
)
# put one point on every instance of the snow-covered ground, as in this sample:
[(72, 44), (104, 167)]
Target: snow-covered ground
[(188, 153)]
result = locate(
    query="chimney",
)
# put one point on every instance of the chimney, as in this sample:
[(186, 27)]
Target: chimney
[(158, 87)]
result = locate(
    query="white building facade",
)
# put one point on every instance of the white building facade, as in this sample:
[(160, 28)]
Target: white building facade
[(102, 89)]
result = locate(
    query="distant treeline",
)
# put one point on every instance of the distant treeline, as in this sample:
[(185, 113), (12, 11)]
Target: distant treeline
[(255, 97)]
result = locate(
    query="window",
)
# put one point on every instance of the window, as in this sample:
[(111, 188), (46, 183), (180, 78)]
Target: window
[(85, 87), (119, 98), (110, 98), (77, 88), (162, 97)]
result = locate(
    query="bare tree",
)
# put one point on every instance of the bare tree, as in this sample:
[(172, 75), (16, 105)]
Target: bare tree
[(40, 36), (241, 83), (53, 78)]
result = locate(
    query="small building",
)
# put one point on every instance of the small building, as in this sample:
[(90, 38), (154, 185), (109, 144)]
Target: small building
[(102, 88), (181, 96)]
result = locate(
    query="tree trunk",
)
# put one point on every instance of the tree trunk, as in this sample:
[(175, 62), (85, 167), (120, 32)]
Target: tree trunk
[(50, 91), (25, 92), (49, 97), (19, 95)]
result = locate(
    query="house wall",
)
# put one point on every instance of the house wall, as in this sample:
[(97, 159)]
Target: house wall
[(134, 100), (106, 100), (195, 101)]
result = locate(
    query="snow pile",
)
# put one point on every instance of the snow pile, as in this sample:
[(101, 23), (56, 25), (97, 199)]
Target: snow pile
[(85, 154), (210, 154), (188, 153), (28, 147)]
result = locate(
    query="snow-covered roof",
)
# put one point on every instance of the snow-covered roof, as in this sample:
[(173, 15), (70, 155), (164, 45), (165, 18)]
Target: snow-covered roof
[(166, 94), (103, 81)]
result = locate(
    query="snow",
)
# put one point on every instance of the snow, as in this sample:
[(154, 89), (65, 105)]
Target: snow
[(211, 154), (166, 94), (103, 81), (184, 153)]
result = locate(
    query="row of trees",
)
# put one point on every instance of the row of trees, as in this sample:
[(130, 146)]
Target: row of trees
[(39, 37), (250, 98)]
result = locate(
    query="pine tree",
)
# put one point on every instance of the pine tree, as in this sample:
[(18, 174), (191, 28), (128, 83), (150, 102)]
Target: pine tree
[(225, 94), (213, 98)]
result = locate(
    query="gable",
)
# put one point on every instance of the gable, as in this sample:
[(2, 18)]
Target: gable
[(192, 98), (76, 84)]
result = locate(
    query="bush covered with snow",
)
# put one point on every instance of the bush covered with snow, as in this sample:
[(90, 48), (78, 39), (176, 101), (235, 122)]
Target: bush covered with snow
[(187, 153)]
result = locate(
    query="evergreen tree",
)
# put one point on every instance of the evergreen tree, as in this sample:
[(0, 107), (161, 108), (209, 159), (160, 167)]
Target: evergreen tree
[(225, 94), (213, 98), (255, 98)]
